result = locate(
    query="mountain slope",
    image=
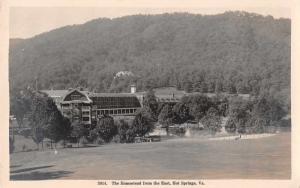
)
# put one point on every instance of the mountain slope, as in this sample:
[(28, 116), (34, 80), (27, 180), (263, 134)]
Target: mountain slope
[(234, 51)]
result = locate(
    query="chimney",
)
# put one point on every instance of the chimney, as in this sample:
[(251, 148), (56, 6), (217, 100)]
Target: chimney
[(132, 89)]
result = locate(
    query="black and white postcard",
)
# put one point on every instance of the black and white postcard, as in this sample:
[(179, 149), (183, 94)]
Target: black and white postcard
[(149, 93)]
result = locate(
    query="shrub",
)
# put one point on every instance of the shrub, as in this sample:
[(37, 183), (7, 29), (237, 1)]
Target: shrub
[(116, 139), (37, 135), (83, 141), (256, 125), (63, 143), (241, 128), (285, 123), (212, 121), (130, 135), (78, 131), (230, 126), (123, 128), (106, 128), (93, 135), (142, 123), (99, 141)]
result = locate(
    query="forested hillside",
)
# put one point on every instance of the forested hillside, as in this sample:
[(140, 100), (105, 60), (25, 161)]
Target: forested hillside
[(231, 52)]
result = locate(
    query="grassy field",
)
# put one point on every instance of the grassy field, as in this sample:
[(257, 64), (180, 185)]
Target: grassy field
[(263, 158)]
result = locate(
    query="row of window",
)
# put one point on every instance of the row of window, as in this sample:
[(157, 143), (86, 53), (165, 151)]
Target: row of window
[(85, 113), (116, 102), (117, 111), (84, 119)]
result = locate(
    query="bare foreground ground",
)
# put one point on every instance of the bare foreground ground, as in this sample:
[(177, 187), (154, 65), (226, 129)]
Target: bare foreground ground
[(263, 158)]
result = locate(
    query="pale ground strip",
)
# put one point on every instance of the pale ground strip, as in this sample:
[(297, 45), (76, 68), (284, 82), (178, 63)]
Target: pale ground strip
[(243, 137)]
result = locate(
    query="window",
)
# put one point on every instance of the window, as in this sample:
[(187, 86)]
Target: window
[(85, 107), (86, 113), (85, 119)]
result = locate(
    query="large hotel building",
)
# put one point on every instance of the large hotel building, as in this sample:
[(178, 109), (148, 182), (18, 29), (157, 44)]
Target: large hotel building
[(78, 104)]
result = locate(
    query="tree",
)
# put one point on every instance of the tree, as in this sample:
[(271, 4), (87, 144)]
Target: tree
[(222, 107), (125, 131), (150, 103), (268, 108), (197, 105), (78, 131), (58, 128), (20, 104), (65, 129), (106, 128), (166, 117), (143, 123), (93, 135), (54, 122), (239, 109), (38, 117), (181, 113), (18, 109), (122, 129), (38, 135), (256, 124), (212, 121), (239, 112), (46, 120), (231, 126)]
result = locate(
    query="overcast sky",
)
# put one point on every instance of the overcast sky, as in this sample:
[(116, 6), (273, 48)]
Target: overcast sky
[(26, 22)]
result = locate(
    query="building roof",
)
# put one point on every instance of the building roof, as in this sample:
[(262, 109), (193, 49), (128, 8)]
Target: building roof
[(111, 95), (164, 93), (168, 91), (85, 93)]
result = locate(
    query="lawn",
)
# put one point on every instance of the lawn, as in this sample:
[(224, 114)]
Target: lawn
[(263, 158)]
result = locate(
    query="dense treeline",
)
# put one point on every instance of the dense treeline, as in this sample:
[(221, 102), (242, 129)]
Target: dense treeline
[(252, 115), (231, 52)]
